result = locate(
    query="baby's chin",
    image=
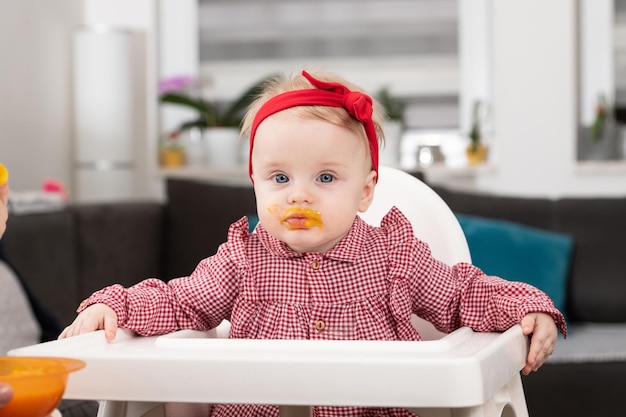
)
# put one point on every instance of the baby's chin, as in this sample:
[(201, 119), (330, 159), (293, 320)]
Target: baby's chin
[(303, 242)]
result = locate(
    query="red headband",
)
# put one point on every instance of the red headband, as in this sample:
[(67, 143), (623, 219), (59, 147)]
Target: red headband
[(332, 94)]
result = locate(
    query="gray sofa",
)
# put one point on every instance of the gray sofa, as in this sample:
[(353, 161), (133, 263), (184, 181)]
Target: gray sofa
[(587, 373), (65, 255)]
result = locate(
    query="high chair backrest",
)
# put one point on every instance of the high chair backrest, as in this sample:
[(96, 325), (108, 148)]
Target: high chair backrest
[(432, 220)]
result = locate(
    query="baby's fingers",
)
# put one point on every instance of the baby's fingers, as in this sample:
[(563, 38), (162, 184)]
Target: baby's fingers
[(4, 193), (80, 326), (110, 325), (540, 350), (543, 333), (95, 317)]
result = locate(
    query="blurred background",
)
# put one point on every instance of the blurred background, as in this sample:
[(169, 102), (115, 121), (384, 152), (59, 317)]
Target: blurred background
[(80, 86)]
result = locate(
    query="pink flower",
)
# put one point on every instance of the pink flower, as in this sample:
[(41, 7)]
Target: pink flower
[(53, 186), (178, 83)]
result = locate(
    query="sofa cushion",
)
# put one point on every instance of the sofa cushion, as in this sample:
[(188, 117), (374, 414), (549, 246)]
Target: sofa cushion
[(198, 217), (591, 342), (118, 243), (535, 212), (598, 279), (520, 253), (576, 389), (42, 249), (48, 322), (18, 324)]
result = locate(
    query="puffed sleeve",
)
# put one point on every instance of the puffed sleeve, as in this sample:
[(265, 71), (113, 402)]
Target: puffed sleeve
[(460, 295), (200, 301)]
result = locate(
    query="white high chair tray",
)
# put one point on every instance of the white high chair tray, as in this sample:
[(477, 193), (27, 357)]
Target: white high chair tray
[(463, 369)]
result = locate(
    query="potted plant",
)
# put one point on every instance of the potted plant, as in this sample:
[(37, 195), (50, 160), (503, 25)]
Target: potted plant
[(393, 126), (476, 151), (599, 140), (171, 153), (600, 118), (219, 123)]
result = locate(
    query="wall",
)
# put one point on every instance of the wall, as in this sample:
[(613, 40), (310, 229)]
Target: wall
[(178, 51), (535, 96), (534, 88), (141, 17), (34, 85), (36, 111)]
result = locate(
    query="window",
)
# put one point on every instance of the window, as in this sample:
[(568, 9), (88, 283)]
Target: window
[(409, 46), (620, 60)]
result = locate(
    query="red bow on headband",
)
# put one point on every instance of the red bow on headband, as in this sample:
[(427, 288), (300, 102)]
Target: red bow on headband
[(358, 105)]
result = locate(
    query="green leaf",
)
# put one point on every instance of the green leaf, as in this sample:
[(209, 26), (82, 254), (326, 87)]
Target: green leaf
[(210, 115), (234, 113), (394, 108), (176, 98)]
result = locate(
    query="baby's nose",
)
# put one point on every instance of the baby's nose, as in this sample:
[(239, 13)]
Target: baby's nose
[(300, 194)]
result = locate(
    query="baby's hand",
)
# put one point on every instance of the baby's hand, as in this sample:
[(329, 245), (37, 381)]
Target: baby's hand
[(4, 212), (4, 198), (544, 336), (94, 317)]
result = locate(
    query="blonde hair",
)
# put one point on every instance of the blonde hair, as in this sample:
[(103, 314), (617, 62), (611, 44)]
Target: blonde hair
[(335, 115)]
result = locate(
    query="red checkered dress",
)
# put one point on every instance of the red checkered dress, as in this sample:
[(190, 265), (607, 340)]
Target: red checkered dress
[(366, 287)]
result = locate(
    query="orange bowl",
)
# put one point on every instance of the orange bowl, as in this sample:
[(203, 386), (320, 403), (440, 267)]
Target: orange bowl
[(38, 383)]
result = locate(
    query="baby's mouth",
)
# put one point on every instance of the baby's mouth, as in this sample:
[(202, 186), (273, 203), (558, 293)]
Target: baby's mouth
[(298, 218)]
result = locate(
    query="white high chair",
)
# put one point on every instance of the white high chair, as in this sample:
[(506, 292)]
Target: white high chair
[(463, 374)]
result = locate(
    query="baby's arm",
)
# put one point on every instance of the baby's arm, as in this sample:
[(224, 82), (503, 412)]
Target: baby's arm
[(152, 307), (95, 317), (543, 333)]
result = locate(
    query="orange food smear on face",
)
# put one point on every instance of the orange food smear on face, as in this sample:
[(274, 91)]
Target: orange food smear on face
[(298, 218), (301, 218)]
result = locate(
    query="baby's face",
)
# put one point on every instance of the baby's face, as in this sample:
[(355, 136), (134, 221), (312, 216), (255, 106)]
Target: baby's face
[(310, 179)]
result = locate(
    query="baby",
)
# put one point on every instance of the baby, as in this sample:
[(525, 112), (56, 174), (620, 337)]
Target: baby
[(314, 269)]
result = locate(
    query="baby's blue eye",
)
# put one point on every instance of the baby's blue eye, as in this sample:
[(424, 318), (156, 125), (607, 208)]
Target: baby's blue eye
[(281, 178), (326, 178)]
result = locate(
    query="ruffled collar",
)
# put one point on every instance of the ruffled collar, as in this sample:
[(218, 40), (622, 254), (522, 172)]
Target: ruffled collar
[(346, 250)]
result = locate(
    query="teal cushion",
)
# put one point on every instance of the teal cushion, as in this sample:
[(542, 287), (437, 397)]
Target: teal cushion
[(253, 219), (520, 253)]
